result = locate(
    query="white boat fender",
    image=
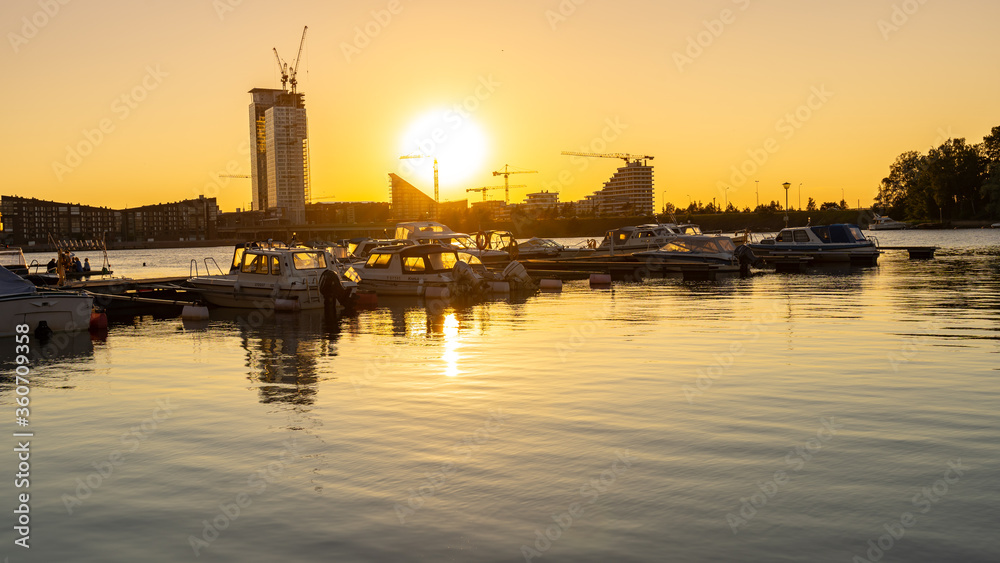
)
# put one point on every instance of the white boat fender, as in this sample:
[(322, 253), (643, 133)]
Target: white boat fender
[(194, 312), (600, 280), (499, 287), (550, 285), (436, 292)]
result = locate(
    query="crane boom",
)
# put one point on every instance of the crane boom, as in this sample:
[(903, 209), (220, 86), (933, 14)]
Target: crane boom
[(282, 67), (294, 69), (506, 172), (624, 156)]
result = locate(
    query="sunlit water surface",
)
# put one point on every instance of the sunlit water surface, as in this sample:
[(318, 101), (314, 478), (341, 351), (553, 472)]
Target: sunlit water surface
[(776, 418)]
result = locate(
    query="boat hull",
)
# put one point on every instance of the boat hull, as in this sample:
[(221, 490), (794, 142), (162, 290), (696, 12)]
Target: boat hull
[(223, 291), (61, 312), (827, 254)]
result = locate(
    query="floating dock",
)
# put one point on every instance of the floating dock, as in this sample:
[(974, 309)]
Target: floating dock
[(627, 268), (130, 297)]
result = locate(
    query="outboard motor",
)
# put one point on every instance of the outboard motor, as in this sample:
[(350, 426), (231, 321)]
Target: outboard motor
[(517, 276), (43, 331), (746, 259)]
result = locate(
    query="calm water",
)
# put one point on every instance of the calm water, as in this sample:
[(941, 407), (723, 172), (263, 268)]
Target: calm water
[(777, 418)]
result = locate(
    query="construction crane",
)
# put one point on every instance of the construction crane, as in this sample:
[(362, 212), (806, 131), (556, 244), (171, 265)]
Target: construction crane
[(406, 156), (484, 189), (288, 72), (234, 175), (506, 172), (283, 68), (624, 156), (294, 69)]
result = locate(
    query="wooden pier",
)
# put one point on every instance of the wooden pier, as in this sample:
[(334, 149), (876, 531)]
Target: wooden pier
[(627, 268), (130, 297), (916, 252)]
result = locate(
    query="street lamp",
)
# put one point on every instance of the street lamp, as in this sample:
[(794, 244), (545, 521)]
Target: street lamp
[(786, 185), (727, 198), (758, 192), (800, 197), (690, 202)]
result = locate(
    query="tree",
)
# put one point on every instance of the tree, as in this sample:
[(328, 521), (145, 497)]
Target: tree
[(828, 205), (811, 205), (669, 208)]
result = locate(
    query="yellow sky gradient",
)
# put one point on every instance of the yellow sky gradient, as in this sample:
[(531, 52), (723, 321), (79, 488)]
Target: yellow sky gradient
[(703, 86)]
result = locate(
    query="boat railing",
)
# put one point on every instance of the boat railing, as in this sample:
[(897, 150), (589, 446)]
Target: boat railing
[(193, 270), (874, 239)]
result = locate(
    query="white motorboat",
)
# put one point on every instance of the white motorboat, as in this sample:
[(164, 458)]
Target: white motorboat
[(880, 223), (838, 243), (548, 249), (274, 275), (434, 270), (628, 240), (431, 232), (44, 312), (694, 248)]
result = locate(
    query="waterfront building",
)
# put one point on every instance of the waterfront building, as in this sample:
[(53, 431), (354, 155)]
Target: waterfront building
[(628, 192), (279, 160), (30, 221)]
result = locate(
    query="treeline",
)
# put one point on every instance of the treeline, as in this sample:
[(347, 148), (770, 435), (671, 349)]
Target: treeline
[(696, 207), (953, 181)]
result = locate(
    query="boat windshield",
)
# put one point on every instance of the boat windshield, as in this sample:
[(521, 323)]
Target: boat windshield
[(701, 245), (442, 262), (308, 260), (856, 232)]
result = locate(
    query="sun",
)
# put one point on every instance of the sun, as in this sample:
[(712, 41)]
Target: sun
[(458, 144)]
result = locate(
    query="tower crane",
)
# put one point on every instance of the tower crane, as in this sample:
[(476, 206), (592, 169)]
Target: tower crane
[(506, 172), (283, 68), (294, 69), (624, 156), (484, 189), (406, 156)]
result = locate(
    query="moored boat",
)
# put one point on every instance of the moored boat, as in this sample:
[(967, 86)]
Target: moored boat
[(44, 312), (431, 232), (838, 243), (274, 275), (880, 223), (433, 270), (694, 248), (629, 240)]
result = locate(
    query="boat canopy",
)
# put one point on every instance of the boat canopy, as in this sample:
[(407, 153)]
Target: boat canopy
[(699, 244), (13, 284), (415, 228), (839, 233)]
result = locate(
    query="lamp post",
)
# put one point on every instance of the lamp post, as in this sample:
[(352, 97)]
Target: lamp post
[(758, 192), (786, 185), (800, 197), (727, 199), (690, 201)]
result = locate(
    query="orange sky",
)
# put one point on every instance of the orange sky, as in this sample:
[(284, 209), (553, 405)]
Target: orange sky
[(825, 94)]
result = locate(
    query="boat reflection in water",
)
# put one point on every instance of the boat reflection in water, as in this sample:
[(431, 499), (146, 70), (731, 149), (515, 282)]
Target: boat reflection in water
[(284, 351)]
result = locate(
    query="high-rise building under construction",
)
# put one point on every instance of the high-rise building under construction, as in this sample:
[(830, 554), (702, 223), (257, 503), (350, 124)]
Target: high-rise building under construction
[(280, 158)]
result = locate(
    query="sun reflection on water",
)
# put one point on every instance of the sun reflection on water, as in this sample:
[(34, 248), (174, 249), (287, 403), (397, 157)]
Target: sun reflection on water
[(451, 345)]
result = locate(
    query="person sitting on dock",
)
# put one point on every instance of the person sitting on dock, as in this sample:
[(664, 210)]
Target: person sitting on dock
[(86, 264), (51, 266), (77, 266)]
